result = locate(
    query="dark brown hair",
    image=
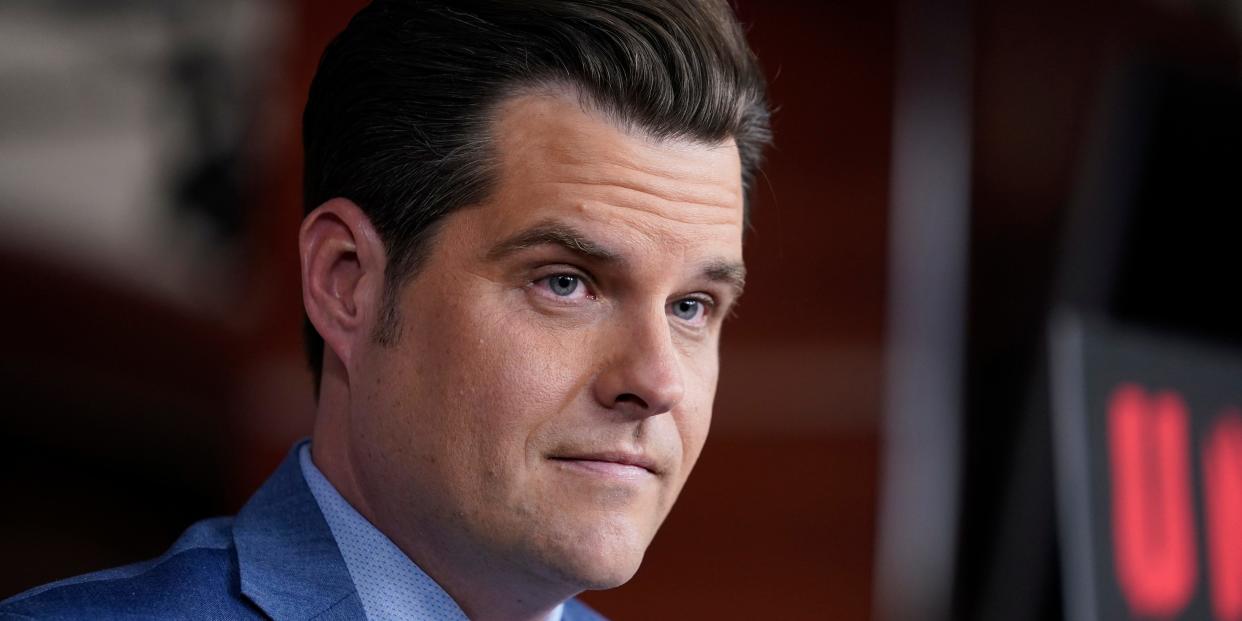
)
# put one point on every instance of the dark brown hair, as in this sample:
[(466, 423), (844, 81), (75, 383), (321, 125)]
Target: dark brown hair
[(398, 112)]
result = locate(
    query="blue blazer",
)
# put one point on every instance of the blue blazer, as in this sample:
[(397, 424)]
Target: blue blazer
[(275, 560)]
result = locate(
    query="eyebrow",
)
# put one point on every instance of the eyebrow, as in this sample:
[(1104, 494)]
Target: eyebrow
[(730, 273), (727, 272), (554, 234)]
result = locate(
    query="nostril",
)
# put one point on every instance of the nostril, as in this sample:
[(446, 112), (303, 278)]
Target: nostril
[(630, 397)]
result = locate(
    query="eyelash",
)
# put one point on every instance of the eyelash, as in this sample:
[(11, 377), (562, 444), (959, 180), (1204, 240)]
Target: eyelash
[(583, 280), (708, 302)]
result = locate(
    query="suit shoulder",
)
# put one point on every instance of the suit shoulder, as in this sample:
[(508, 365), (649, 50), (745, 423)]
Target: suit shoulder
[(197, 577)]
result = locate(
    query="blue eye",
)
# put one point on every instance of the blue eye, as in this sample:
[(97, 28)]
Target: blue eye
[(687, 309), (563, 285)]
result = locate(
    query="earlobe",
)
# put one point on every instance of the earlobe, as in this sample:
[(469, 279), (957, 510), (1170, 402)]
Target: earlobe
[(343, 262)]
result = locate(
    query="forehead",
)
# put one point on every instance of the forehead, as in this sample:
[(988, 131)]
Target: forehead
[(557, 159)]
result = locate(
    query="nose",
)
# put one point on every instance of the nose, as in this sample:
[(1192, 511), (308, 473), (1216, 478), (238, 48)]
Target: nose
[(643, 375)]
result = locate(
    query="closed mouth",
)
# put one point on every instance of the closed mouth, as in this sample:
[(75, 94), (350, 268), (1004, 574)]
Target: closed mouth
[(610, 460)]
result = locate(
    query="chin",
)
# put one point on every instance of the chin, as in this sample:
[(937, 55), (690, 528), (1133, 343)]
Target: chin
[(597, 561), (602, 573)]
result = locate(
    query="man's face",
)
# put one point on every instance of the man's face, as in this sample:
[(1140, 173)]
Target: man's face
[(552, 381)]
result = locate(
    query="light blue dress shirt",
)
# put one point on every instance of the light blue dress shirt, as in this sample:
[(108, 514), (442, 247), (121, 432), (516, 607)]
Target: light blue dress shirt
[(389, 584)]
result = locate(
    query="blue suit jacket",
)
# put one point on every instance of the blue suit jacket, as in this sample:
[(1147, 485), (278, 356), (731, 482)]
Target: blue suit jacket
[(277, 559)]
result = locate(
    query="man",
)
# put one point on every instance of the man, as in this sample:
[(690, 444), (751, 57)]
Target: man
[(524, 231)]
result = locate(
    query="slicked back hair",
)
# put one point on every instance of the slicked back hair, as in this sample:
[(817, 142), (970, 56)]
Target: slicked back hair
[(399, 111)]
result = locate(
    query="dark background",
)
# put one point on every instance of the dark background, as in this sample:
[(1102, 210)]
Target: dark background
[(130, 409)]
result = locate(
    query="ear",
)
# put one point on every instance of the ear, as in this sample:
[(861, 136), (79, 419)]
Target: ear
[(343, 261)]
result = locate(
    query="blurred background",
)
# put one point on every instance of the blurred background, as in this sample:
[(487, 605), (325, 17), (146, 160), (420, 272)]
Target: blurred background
[(949, 179)]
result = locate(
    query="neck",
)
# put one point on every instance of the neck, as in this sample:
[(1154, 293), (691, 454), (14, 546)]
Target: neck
[(485, 587), (330, 444)]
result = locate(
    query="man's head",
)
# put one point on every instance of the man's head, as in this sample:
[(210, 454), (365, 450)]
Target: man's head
[(524, 229)]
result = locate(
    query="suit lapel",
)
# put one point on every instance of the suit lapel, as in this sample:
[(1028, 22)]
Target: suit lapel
[(290, 565)]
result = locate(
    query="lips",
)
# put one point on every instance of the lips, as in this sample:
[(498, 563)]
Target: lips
[(610, 462)]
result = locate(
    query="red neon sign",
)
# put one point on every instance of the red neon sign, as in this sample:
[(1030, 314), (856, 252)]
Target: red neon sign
[(1153, 509), (1222, 482), (1153, 523)]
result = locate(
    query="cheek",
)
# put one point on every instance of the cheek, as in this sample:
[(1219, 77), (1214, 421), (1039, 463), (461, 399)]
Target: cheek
[(695, 416), (500, 375), (527, 364)]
